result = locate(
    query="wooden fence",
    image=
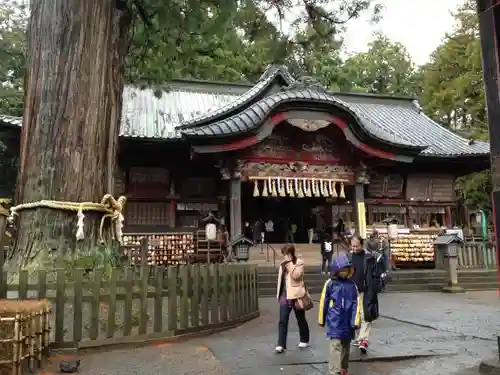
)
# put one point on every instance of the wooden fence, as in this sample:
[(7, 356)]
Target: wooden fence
[(136, 304), (473, 255)]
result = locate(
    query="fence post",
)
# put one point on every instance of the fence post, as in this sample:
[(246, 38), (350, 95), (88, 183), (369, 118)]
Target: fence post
[(60, 296), (172, 298), (205, 294), (224, 293), (184, 298), (214, 309), (144, 252), (3, 279), (195, 294)]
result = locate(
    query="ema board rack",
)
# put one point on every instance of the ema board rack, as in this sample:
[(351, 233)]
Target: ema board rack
[(161, 248), (414, 247)]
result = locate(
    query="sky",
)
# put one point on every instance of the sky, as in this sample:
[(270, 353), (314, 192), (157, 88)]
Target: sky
[(418, 25)]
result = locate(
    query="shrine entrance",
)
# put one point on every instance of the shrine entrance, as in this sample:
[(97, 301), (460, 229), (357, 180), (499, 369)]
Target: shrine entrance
[(299, 213), (292, 179)]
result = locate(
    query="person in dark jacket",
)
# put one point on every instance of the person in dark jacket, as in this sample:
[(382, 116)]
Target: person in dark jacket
[(339, 312), (366, 276)]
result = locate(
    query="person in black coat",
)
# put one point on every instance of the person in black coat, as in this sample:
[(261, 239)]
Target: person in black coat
[(366, 265)]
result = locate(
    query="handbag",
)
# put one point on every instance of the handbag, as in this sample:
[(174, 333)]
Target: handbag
[(304, 303)]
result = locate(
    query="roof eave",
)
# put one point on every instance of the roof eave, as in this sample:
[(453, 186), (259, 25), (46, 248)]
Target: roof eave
[(272, 76)]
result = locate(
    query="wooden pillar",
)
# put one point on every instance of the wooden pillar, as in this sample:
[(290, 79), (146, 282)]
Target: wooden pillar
[(448, 219), (360, 209), (173, 213), (235, 207), (489, 21)]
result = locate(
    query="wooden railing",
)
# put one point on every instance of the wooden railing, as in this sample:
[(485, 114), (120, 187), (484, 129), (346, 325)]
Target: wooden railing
[(139, 303), (473, 255)]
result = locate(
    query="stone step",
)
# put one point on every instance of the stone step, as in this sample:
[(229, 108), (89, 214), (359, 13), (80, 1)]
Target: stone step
[(436, 287), (394, 288), (410, 274), (402, 281)]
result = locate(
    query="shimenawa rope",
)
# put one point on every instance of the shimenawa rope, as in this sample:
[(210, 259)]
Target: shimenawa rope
[(111, 207)]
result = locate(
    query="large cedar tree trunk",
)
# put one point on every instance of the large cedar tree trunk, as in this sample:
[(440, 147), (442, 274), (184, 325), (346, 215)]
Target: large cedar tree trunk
[(71, 122)]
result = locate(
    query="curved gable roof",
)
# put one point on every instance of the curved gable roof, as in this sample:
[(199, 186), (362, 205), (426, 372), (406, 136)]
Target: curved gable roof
[(199, 108), (273, 75), (394, 120)]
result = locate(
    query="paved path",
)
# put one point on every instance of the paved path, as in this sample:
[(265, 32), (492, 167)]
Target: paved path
[(457, 331), (171, 359), (419, 333)]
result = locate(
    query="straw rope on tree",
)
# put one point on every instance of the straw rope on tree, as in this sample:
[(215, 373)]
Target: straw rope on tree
[(111, 208)]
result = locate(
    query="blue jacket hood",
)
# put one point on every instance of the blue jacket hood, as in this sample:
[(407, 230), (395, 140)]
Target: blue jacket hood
[(342, 261)]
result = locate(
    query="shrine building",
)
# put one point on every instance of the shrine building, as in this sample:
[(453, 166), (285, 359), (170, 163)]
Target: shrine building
[(285, 148)]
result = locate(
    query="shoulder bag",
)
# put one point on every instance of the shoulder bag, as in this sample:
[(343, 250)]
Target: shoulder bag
[(304, 303)]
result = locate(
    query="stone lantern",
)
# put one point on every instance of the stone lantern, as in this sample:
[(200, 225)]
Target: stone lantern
[(448, 246)]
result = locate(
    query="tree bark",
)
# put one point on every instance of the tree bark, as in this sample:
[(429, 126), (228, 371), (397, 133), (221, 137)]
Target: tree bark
[(71, 122)]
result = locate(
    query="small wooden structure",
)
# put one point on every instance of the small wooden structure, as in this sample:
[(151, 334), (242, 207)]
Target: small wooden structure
[(24, 334)]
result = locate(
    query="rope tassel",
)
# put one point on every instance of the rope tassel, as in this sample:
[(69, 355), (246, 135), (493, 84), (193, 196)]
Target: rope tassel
[(256, 192), (298, 188), (274, 193), (307, 188), (80, 234), (264, 190), (324, 187), (314, 188), (289, 187), (342, 192), (281, 188), (333, 189)]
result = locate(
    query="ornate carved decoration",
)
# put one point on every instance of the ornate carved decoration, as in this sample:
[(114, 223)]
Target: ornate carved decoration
[(297, 169), (362, 176), (295, 145), (307, 82), (225, 173), (308, 125)]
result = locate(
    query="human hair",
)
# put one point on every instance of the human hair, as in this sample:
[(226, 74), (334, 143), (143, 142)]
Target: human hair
[(289, 250), (357, 237)]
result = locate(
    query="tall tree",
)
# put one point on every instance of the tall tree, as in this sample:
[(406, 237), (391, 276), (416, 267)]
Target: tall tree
[(385, 68), (72, 110), (452, 85), (73, 96), (453, 94)]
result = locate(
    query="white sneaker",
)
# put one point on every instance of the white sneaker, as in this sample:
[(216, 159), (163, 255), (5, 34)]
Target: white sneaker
[(303, 345), (279, 349)]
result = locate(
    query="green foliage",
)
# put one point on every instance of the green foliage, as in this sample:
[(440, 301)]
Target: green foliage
[(13, 23), (475, 190), (101, 257), (235, 41), (386, 68), (453, 95)]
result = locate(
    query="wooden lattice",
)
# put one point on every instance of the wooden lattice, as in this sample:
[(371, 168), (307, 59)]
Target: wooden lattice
[(24, 334)]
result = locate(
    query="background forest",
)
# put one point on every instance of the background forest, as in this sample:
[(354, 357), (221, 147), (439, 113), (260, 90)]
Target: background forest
[(449, 85)]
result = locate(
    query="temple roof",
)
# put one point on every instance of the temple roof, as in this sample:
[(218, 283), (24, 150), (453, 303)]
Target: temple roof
[(397, 121), (208, 109)]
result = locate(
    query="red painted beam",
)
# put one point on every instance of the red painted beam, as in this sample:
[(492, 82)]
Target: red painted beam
[(280, 117)]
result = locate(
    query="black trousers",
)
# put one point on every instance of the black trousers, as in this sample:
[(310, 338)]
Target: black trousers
[(326, 262), (285, 311)]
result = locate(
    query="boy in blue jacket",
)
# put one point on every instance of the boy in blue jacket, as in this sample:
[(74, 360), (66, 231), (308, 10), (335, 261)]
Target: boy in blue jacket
[(339, 313)]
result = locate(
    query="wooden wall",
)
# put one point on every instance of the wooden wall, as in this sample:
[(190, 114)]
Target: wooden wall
[(386, 186), (430, 187), (161, 198)]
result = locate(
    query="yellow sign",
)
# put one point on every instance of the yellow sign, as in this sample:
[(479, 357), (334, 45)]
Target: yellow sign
[(362, 219)]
